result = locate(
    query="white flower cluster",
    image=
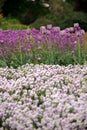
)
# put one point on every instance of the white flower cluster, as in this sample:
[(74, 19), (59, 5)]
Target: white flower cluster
[(43, 97)]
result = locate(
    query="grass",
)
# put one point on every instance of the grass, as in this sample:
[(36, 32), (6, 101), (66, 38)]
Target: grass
[(11, 23)]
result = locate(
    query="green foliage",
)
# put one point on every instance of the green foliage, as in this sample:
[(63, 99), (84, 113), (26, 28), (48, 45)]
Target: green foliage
[(46, 55), (59, 14), (12, 24), (40, 22), (66, 20), (24, 10), (14, 60), (64, 16)]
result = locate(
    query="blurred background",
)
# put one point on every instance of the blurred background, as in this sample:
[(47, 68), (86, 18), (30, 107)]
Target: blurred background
[(22, 14)]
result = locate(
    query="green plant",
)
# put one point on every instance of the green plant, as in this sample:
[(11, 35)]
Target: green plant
[(45, 56), (40, 22), (67, 19), (12, 24)]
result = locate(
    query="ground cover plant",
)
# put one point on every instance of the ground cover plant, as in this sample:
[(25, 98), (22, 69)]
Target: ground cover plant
[(43, 97), (49, 45)]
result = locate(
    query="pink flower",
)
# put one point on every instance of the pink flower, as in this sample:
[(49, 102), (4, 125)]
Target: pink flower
[(76, 25), (49, 26), (43, 29)]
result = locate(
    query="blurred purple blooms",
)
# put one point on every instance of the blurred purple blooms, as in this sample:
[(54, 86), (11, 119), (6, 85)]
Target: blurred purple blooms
[(12, 41)]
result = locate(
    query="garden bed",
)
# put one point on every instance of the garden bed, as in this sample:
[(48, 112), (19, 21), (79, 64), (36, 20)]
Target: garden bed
[(43, 79)]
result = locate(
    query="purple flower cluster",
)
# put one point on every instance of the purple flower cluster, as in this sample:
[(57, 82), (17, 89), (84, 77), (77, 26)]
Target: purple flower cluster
[(43, 97), (13, 41)]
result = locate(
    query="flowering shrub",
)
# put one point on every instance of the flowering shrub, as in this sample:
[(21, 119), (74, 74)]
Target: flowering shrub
[(49, 45), (43, 97)]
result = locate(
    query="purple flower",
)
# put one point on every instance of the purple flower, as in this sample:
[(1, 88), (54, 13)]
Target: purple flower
[(76, 25), (49, 26), (62, 33), (1, 41), (43, 29), (56, 29), (82, 31)]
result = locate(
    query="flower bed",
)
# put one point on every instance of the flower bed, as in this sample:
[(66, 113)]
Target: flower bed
[(43, 97), (26, 39), (49, 45)]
